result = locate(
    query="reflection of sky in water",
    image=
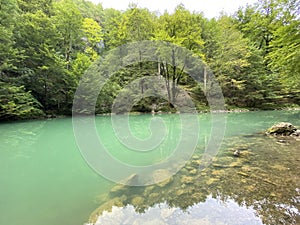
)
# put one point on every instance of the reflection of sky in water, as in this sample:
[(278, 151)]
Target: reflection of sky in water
[(211, 212)]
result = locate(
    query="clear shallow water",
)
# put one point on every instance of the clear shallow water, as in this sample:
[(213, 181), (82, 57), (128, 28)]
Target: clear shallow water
[(45, 180)]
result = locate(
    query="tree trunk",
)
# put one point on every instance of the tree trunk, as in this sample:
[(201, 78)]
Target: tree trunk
[(173, 78), (204, 80)]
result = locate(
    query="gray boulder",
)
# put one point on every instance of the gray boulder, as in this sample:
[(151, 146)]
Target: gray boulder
[(282, 128)]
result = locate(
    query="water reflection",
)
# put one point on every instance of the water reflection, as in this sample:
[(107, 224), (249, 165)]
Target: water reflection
[(211, 212), (264, 181), (19, 136)]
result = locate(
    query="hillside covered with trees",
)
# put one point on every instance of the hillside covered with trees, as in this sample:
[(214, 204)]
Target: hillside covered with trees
[(47, 45)]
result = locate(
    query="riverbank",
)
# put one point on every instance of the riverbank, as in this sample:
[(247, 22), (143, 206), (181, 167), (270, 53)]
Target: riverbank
[(230, 110)]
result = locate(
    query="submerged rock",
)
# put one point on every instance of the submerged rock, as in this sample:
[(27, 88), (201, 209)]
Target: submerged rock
[(122, 187), (148, 190), (118, 189), (131, 180), (180, 192), (137, 201), (236, 153), (107, 206), (162, 177), (193, 172), (187, 180)]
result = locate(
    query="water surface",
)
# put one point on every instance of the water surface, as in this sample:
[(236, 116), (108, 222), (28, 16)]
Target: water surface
[(45, 180)]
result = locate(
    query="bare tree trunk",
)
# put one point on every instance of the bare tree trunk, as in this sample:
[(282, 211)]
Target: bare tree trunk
[(173, 78), (165, 71), (140, 60), (68, 52), (158, 68), (205, 80)]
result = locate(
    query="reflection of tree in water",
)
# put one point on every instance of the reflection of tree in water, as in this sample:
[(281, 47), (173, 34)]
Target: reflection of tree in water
[(268, 179), (210, 212), (265, 177)]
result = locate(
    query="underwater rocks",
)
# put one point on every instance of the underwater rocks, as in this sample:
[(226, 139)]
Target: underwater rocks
[(122, 187), (187, 180), (236, 153), (261, 176), (131, 180), (162, 177), (136, 201), (107, 206)]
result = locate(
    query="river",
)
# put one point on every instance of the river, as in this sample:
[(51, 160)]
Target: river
[(45, 179)]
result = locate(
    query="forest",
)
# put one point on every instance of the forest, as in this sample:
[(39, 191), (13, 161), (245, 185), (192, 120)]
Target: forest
[(47, 45)]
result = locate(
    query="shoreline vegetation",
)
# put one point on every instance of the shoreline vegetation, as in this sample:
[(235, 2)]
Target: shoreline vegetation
[(47, 46), (46, 117)]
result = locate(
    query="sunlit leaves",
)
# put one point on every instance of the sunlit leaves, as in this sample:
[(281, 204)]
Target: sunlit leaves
[(16, 103)]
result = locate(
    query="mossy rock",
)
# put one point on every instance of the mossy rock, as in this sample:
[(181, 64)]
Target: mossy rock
[(189, 168), (195, 157), (282, 129), (279, 167), (148, 190), (187, 180), (165, 182), (236, 164), (218, 172), (102, 198), (199, 197), (211, 181), (137, 201), (154, 196), (162, 177), (118, 189), (184, 171), (124, 185), (180, 192), (193, 172), (130, 180)]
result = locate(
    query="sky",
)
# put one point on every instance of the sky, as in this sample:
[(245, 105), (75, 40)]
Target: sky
[(210, 8)]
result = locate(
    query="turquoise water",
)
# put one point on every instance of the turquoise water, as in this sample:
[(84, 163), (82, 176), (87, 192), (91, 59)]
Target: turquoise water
[(45, 180)]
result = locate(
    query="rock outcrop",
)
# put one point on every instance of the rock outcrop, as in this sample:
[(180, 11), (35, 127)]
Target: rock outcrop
[(283, 129)]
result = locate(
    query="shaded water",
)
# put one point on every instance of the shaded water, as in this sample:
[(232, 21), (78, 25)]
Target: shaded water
[(44, 179)]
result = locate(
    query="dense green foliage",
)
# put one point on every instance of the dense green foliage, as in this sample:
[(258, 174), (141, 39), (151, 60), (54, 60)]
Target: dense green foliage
[(47, 45)]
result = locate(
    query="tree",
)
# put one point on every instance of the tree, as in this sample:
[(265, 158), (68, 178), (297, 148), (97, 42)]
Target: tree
[(92, 35), (183, 29), (68, 24), (285, 55), (113, 31), (16, 103), (138, 24), (8, 18), (90, 10), (32, 6), (273, 25), (237, 64), (259, 22), (49, 43)]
